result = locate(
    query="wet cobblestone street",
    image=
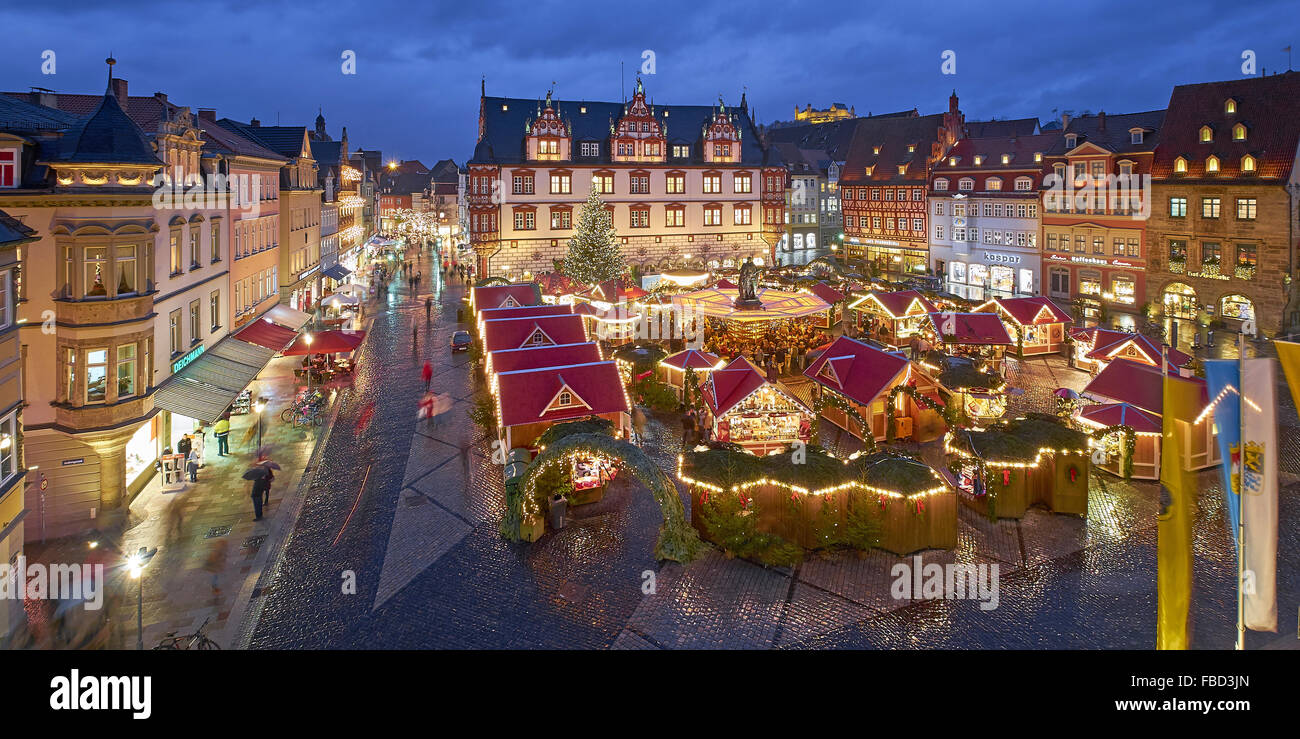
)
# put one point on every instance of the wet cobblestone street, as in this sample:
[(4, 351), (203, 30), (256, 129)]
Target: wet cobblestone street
[(412, 513)]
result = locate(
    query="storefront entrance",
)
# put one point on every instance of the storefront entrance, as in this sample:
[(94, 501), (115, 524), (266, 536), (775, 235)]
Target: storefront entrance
[(1180, 301)]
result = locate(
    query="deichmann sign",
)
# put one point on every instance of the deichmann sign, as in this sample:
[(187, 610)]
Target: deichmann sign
[(184, 361)]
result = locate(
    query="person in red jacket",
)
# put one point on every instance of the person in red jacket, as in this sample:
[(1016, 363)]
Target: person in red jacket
[(426, 374)]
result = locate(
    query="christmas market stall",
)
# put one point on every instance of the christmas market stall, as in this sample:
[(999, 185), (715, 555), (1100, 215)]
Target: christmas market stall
[(527, 311), (1095, 347), (891, 317), (512, 295), (530, 401), (586, 476), (765, 507), (559, 355), (760, 414), (979, 394), (980, 336), (1129, 439), (1036, 324), (859, 385), (734, 325), (677, 369), (1002, 470), (517, 333), (1141, 386), (834, 315)]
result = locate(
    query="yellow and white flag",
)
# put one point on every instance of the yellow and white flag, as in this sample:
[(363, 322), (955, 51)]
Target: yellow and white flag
[(1182, 399), (1258, 485)]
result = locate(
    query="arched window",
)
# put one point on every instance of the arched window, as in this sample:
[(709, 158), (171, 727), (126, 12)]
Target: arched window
[(1212, 164), (1248, 163), (993, 184), (1239, 307), (1207, 134), (1239, 132), (966, 183), (1230, 106), (1180, 165)]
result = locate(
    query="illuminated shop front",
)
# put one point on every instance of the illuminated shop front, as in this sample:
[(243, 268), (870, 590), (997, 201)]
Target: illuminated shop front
[(1237, 307), (890, 257), (142, 451)]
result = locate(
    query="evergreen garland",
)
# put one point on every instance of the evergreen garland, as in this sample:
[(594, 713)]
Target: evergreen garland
[(829, 398), (594, 254)]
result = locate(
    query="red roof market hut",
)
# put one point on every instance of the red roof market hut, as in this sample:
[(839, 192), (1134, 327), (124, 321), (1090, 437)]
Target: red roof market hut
[(1095, 347), (528, 311), (834, 315), (529, 401), (878, 387), (759, 414), (1141, 386), (1003, 470), (980, 336), (517, 333), (1037, 325), (538, 357), (513, 295), (1147, 428), (672, 369), (891, 317)]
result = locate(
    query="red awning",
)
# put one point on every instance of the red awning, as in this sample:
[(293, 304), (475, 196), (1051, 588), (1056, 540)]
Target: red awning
[(267, 334), (326, 342)]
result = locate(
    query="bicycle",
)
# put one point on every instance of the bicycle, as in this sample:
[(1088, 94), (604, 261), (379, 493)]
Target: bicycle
[(198, 640), (307, 418)]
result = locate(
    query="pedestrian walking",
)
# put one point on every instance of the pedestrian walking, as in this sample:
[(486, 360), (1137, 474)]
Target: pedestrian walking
[(216, 561), (425, 410), (638, 424), (221, 430), (426, 374), (688, 427), (192, 466), (428, 307), (199, 436), (706, 427)]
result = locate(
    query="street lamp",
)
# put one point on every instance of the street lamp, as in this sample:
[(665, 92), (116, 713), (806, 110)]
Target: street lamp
[(260, 406), (307, 340), (135, 565)]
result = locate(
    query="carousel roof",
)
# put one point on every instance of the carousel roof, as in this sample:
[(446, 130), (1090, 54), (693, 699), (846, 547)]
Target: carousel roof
[(977, 329), (898, 303), (727, 387), (516, 333), (1114, 414), (506, 296), (855, 370), (537, 395), (717, 302), (1107, 344), (1026, 311), (692, 359), (1125, 381)]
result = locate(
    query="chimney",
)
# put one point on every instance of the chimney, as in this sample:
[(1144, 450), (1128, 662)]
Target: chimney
[(207, 114), (1065, 121), (119, 90), (162, 97), (1101, 121), (255, 123)]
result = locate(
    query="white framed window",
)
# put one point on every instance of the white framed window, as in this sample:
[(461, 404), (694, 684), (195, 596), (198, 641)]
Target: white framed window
[(9, 446), (941, 184), (1024, 183), (966, 184)]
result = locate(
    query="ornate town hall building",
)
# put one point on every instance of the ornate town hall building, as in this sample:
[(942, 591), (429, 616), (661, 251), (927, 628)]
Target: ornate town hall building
[(686, 184)]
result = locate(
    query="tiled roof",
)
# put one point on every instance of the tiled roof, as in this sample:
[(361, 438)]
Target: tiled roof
[(503, 130), (1028, 310), (12, 231), (283, 140), (505, 296), (526, 395), (108, 136), (1269, 108), (146, 111), (1019, 149), (327, 153), (1112, 132), (832, 137), (226, 141), (515, 333), (19, 115), (1009, 128), (858, 372), (976, 329), (892, 136)]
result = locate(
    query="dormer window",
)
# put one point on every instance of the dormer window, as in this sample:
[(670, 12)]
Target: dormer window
[(902, 169), (1230, 106), (1038, 156), (566, 398), (1212, 164), (1239, 132), (1248, 163), (504, 107), (868, 170), (993, 184), (1006, 158), (1180, 165), (952, 161), (1135, 135), (583, 109), (875, 150), (911, 148), (1071, 140), (941, 184), (1126, 169), (979, 159), (1207, 134), (966, 183)]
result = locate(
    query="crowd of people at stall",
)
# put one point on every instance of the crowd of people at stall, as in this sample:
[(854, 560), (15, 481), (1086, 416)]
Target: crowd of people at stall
[(781, 350)]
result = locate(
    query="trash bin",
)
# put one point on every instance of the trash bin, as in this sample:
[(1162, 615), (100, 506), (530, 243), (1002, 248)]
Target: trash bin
[(559, 506)]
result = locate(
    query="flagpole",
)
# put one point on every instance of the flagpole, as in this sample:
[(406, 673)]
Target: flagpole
[(1241, 522)]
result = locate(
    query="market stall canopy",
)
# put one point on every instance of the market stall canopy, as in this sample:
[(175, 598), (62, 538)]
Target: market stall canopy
[(517, 333), (206, 387), (1027, 311), (287, 317), (974, 329), (896, 304), (1108, 344), (826, 292), (326, 342), (1115, 414), (511, 295), (716, 302), (686, 277), (728, 387), (336, 272), (350, 289), (338, 300), (1125, 381), (855, 370), (511, 360), (267, 334)]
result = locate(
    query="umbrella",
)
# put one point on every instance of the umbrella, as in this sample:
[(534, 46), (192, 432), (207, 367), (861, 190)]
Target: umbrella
[(326, 342), (1065, 393), (350, 289), (339, 300), (256, 472)]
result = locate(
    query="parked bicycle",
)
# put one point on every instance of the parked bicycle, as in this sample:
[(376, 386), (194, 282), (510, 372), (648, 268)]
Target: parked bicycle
[(197, 640), (308, 418), (305, 403)]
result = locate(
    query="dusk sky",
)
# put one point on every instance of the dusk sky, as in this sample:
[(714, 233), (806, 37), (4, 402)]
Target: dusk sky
[(418, 65)]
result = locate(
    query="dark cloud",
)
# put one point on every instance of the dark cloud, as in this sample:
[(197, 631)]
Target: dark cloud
[(419, 64)]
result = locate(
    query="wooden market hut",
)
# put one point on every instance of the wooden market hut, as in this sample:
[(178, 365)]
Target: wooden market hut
[(1141, 386), (1096, 347), (531, 400), (897, 315), (981, 336), (1147, 428), (527, 311), (760, 414), (865, 378), (587, 475), (833, 316), (980, 394), (514, 295), (672, 369), (822, 501), (516, 333), (1002, 470), (537, 357), (1036, 324)]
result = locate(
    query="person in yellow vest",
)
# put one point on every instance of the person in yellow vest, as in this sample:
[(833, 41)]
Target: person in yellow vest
[(221, 430)]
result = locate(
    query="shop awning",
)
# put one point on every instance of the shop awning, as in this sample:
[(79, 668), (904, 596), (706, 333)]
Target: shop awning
[(207, 386), (266, 334), (336, 272), (287, 317), (326, 342)]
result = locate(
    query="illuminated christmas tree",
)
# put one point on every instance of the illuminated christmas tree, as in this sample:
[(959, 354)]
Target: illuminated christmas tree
[(594, 254)]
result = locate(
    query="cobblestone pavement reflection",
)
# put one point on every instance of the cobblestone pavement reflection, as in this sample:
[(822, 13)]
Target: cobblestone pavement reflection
[(431, 570)]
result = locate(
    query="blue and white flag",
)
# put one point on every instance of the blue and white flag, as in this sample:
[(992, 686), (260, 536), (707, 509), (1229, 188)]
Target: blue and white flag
[(1223, 383)]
